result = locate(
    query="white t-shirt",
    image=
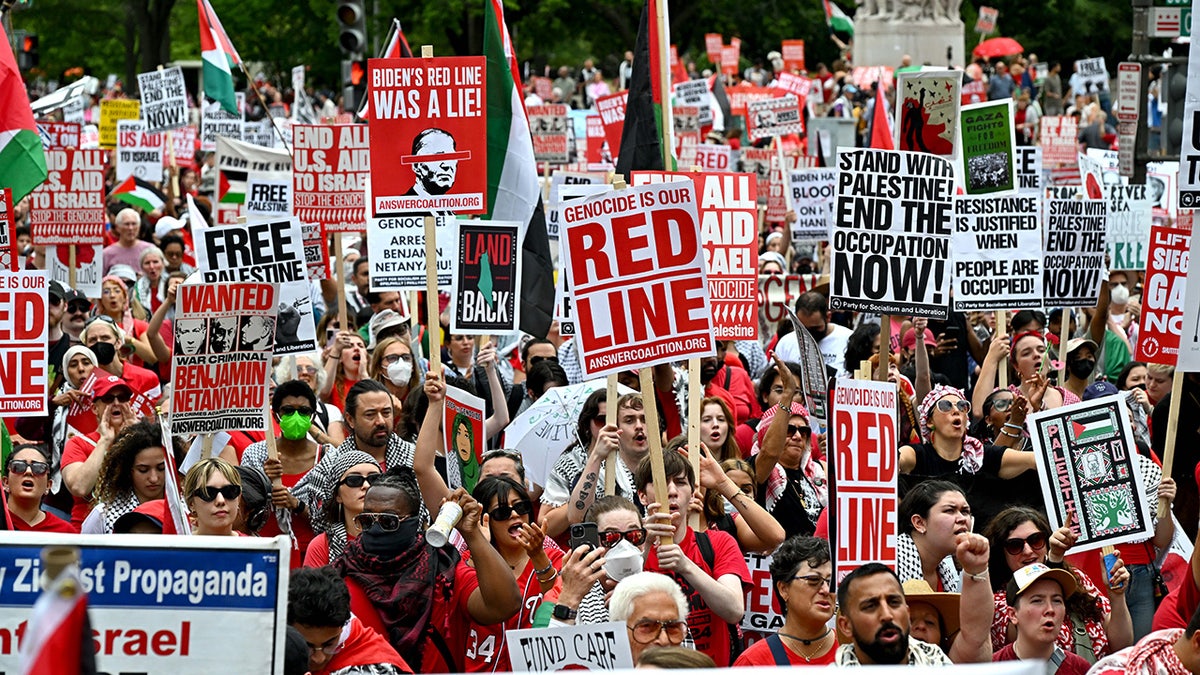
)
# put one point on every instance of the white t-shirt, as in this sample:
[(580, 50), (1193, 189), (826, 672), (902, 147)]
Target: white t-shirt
[(832, 346)]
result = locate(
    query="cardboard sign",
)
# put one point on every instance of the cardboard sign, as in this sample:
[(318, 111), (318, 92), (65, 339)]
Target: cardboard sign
[(813, 197), (138, 153), (1092, 75), (891, 233), (463, 426), (268, 198), (429, 122), (264, 252), (1059, 135), (770, 117), (24, 329), (927, 105), (1128, 226), (214, 122), (997, 251), (330, 167), (396, 249), (637, 278), (792, 52), (57, 135), (863, 480), (69, 207), (710, 157), (236, 161), (1087, 465), (695, 92), (1163, 292), (112, 110), (597, 646), (183, 142), (224, 339), (8, 236), (550, 127), (612, 115), (762, 607), (89, 267), (164, 99), (1074, 243), (487, 278), (1029, 169), (562, 179), (988, 148)]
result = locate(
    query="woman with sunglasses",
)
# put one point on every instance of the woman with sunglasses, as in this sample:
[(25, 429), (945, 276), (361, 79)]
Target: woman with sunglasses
[(356, 470), (133, 472), (1096, 625), (310, 369), (585, 582), (392, 364), (26, 482), (212, 487), (948, 450), (996, 409)]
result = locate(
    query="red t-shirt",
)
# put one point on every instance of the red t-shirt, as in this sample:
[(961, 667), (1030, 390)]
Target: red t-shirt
[(301, 527), (709, 631), (142, 381), (1073, 664), (487, 651), (759, 654), (51, 523), (363, 647), (1177, 608), (449, 618), (77, 450)]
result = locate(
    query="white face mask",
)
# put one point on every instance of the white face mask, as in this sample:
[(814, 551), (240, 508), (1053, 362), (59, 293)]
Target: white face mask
[(1119, 295), (400, 372)]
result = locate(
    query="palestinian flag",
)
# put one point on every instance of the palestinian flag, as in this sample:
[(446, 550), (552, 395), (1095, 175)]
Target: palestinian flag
[(394, 47), (58, 637), (178, 522), (1094, 427), (22, 159), (881, 126), (837, 20), (219, 57), (514, 192), (139, 193), (647, 112)]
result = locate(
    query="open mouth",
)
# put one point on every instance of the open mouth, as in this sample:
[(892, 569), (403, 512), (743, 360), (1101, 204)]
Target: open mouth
[(514, 529), (889, 635), (28, 484)]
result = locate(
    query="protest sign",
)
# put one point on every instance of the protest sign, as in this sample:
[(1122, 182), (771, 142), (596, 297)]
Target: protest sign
[(1128, 226), (215, 121), (795, 84), (695, 92), (396, 249), (268, 198), (973, 92), (1091, 76), (428, 119), (57, 135), (762, 607), (183, 142), (833, 133), (1029, 169), (792, 52), (138, 153), (687, 126), (764, 164), (160, 606), (597, 646), (236, 161), (224, 337), (988, 148), (73, 110), (1161, 180), (69, 207), (316, 251), (997, 252), (1189, 149), (111, 111), (1091, 173), (599, 155), (262, 132), (265, 252), (710, 157), (864, 76), (637, 278), (770, 117), (1059, 135), (8, 236), (89, 267), (487, 278), (863, 482), (1189, 341), (713, 42), (1087, 466), (777, 292), (463, 425), (742, 95), (730, 57), (563, 313), (986, 23), (612, 115), (550, 128), (891, 233), (927, 105), (303, 111), (1163, 290), (573, 190), (1074, 244), (542, 86), (164, 99), (24, 330), (813, 194), (331, 164)]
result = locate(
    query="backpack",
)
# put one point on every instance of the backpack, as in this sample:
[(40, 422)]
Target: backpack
[(736, 647)]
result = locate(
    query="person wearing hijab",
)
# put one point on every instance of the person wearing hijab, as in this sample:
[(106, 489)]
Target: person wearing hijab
[(341, 503)]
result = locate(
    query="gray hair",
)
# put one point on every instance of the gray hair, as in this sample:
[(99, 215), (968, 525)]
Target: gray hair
[(632, 587), (283, 371)]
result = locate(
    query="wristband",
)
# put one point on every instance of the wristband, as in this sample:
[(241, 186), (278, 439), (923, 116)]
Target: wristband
[(542, 571), (1010, 425), (982, 576)]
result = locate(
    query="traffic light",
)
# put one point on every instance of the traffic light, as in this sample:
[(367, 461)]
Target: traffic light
[(354, 83), (27, 56), (352, 27), (1174, 93)]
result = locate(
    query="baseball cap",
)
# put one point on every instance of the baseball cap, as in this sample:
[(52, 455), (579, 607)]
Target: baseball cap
[(104, 385), (946, 604), (910, 339), (122, 272), (1099, 389), (1026, 576), (57, 290), (771, 56), (382, 321), (166, 225), (1076, 343), (153, 512), (71, 295)]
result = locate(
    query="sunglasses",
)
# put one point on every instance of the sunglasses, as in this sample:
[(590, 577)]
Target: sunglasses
[(389, 522), (506, 511), (794, 429), (355, 480), (304, 411), (646, 631), (209, 493), (534, 360), (946, 405), (79, 307), (1002, 404), (20, 466), (55, 300), (611, 538), (122, 396), (600, 419), (1036, 541)]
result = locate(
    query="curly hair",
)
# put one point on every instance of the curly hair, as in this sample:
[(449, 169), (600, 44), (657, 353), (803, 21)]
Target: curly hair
[(116, 472)]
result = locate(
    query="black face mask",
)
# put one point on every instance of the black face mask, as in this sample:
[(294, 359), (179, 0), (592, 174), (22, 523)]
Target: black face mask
[(377, 541), (105, 353), (1081, 369), (1139, 386)]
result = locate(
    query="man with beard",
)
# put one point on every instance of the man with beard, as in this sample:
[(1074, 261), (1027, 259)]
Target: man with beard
[(812, 309), (873, 611)]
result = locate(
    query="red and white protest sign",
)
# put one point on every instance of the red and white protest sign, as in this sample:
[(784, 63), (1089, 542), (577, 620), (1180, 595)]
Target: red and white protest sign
[(863, 76), (973, 92), (183, 142), (728, 208), (771, 117), (730, 56), (686, 120), (862, 527), (713, 42), (1060, 144), (8, 237), (740, 95), (778, 292), (711, 157), (599, 155), (24, 331), (69, 207), (762, 605), (59, 135), (637, 278), (549, 126), (224, 337), (543, 87), (429, 122), (1161, 321), (792, 52), (793, 84), (612, 114), (330, 167)]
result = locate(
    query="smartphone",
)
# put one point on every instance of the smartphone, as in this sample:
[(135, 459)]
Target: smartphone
[(584, 534), (951, 332)]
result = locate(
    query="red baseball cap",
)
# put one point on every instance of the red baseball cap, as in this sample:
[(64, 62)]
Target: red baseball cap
[(104, 385)]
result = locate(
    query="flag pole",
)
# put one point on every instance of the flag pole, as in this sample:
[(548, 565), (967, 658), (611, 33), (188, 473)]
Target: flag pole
[(266, 108)]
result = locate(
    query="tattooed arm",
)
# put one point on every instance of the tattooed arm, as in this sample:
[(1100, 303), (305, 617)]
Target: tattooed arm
[(604, 446)]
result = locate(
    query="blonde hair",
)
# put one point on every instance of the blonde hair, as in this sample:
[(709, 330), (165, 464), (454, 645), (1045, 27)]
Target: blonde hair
[(197, 476)]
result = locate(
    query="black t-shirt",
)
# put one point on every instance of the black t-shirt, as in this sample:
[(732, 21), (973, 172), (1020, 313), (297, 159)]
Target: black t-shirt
[(792, 508), (931, 464)]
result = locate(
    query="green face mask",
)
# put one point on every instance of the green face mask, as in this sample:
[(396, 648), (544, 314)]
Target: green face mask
[(295, 426)]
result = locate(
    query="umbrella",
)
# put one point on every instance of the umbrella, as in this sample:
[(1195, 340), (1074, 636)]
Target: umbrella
[(998, 46), (548, 426)]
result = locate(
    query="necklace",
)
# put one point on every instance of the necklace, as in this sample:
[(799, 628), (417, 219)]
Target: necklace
[(808, 657)]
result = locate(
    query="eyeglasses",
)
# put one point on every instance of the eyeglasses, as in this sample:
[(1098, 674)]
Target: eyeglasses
[(19, 466), (122, 396), (356, 480), (794, 429), (1002, 404), (393, 358), (55, 300), (534, 360), (505, 511), (100, 317), (389, 522), (79, 307), (306, 369), (304, 411), (330, 648), (1014, 546), (209, 493), (636, 536), (646, 631), (813, 580), (946, 405)]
